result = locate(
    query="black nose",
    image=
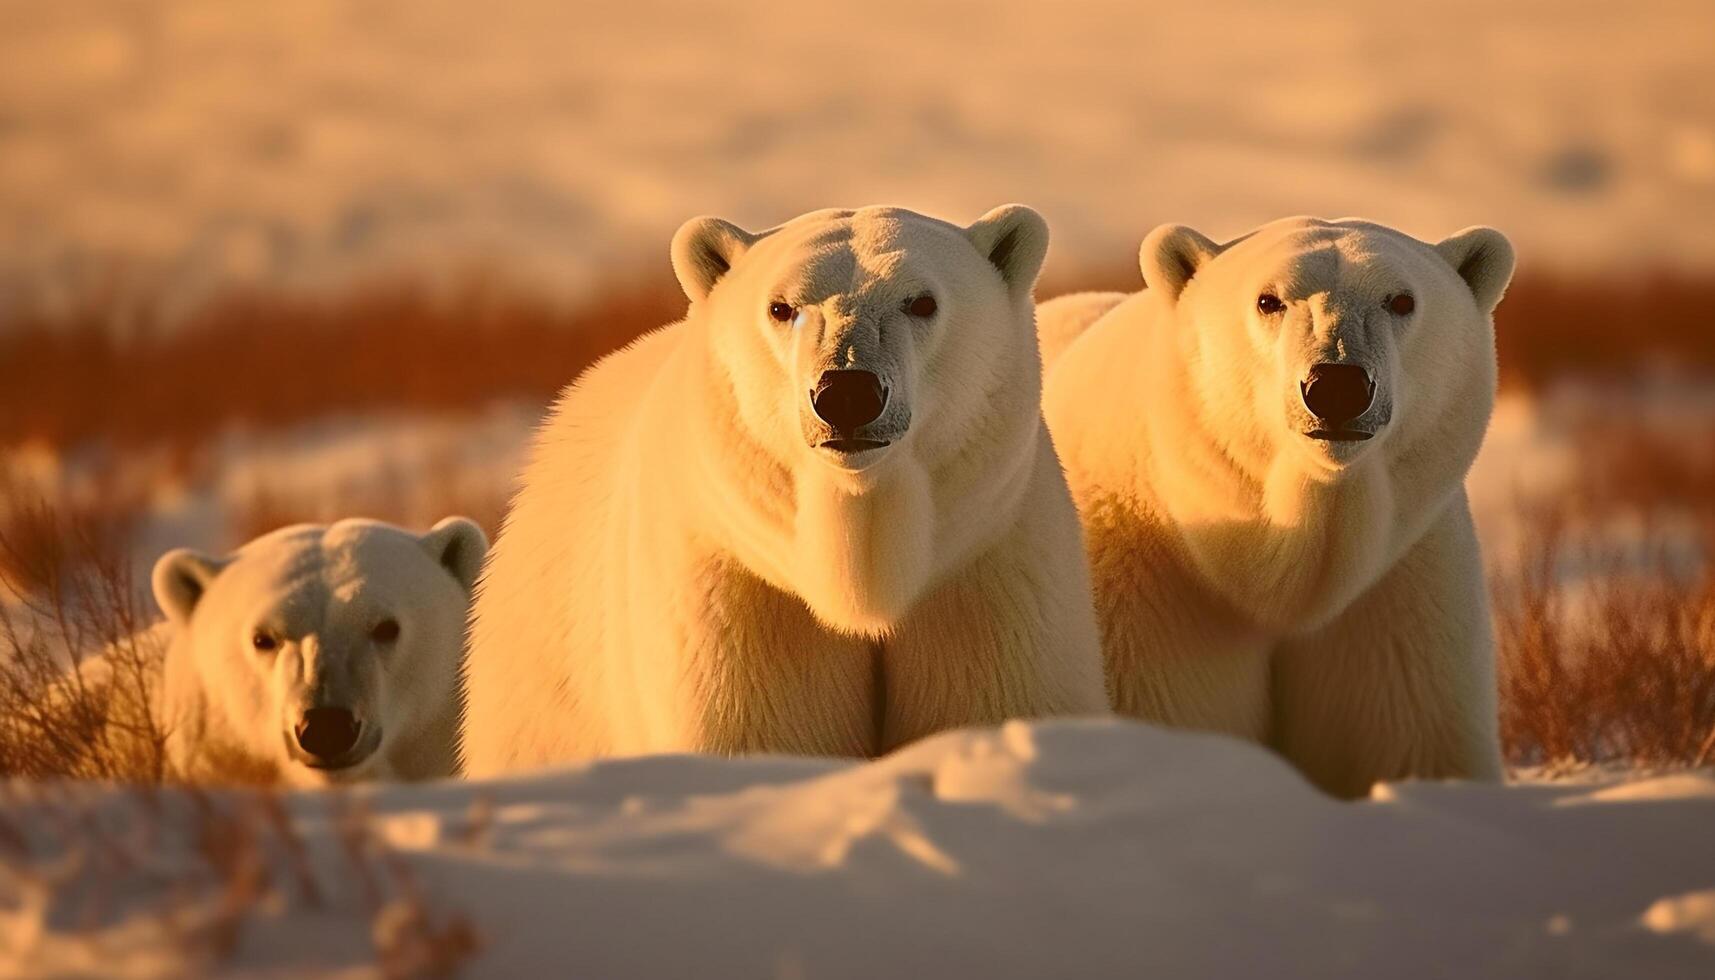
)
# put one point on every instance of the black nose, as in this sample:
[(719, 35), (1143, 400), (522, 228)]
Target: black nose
[(1337, 393), (328, 733), (847, 400)]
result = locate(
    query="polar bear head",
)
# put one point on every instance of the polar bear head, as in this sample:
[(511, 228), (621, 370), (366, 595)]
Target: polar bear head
[(851, 335), (326, 649), (1336, 341), (870, 396)]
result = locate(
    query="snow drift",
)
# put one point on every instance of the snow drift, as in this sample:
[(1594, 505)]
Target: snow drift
[(1089, 849)]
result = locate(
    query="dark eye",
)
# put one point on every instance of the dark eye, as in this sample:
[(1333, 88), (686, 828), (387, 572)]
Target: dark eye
[(385, 631), (781, 312), (1401, 304), (264, 641), (1269, 304), (923, 307)]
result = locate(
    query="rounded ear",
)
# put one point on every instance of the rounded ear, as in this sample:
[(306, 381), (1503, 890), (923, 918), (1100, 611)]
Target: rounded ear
[(458, 545), (704, 249), (180, 578), (1484, 259), (1171, 255), (1014, 239)]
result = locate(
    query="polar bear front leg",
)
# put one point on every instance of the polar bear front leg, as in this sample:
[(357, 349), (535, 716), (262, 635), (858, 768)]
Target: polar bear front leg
[(1402, 684), (759, 673), (1176, 653), (1011, 635)]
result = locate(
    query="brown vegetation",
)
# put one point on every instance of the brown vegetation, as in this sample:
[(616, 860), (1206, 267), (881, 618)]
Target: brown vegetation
[(1621, 668), (77, 659), (1606, 623), (1555, 326), (209, 872), (265, 359)]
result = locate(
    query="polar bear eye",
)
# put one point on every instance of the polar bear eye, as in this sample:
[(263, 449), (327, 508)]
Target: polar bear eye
[(781, 312), (1269, 304), (922, 307), (385, 631), (264, 641), (1401, 304)]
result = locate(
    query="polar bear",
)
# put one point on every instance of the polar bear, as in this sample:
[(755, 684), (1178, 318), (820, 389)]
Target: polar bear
[(1268, 448), (318, 654), (819, 515)]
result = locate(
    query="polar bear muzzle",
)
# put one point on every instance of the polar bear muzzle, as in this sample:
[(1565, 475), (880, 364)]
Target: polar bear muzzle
[(332, 737), (1338, 395), (848, 400)]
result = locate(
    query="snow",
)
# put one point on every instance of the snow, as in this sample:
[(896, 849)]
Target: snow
[(203, 143), (296, 141), (1071, 848)]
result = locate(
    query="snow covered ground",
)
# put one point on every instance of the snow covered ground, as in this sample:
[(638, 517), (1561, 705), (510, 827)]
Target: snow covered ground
[(1086, 849), (203, 143), (208, 142)]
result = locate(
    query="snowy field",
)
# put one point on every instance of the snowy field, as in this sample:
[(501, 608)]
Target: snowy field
[(206, 142), (1077, 849), (176, 149)]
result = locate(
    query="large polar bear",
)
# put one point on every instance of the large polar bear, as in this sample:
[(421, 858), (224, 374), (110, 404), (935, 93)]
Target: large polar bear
[(318, 654), (1268, 448), (819, 515)]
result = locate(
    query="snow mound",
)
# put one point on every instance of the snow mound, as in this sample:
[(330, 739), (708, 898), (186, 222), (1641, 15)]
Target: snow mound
[(1090, 849)]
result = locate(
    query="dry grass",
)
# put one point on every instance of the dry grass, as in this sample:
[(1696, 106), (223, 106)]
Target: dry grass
[(262, 360), (125, 376), (1556, 326), (1606, 625), (208, 875), (1620, 669), (77, 660)]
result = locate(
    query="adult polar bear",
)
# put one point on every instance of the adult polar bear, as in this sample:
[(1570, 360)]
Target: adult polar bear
[(318, 654), (1272, 488), (819, 515)]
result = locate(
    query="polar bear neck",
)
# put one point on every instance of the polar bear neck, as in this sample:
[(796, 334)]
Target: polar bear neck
[(1289, 545), (860, 555)]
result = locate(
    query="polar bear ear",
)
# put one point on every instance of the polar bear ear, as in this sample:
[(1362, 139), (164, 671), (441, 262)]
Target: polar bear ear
[(1014, 239), (458, 545), (704, 249), (1484, 259), (179, 580), (1171, 255)]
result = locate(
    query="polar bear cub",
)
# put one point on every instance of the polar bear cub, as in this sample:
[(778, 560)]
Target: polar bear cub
[(1268, 447), (819, 515), (321, 654)]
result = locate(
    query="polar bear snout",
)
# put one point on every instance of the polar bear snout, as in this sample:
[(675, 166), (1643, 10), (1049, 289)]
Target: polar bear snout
[(848, 403), (1338, 395), (848, 400), (331, 738)]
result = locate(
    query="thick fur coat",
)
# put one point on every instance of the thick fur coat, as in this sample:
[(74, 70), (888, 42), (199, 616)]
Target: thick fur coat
[(699, 560), (1261, 570)]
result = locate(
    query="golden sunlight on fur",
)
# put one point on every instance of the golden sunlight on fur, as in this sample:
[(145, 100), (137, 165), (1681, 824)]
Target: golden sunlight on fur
[(820, 515), (1272, 490)]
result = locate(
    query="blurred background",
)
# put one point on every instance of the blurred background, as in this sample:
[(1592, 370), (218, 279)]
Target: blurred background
[(301, 259)]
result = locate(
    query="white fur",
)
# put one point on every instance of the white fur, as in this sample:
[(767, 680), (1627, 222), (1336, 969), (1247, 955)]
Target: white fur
[(684, 570), (1323, 597), (320, 591)]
